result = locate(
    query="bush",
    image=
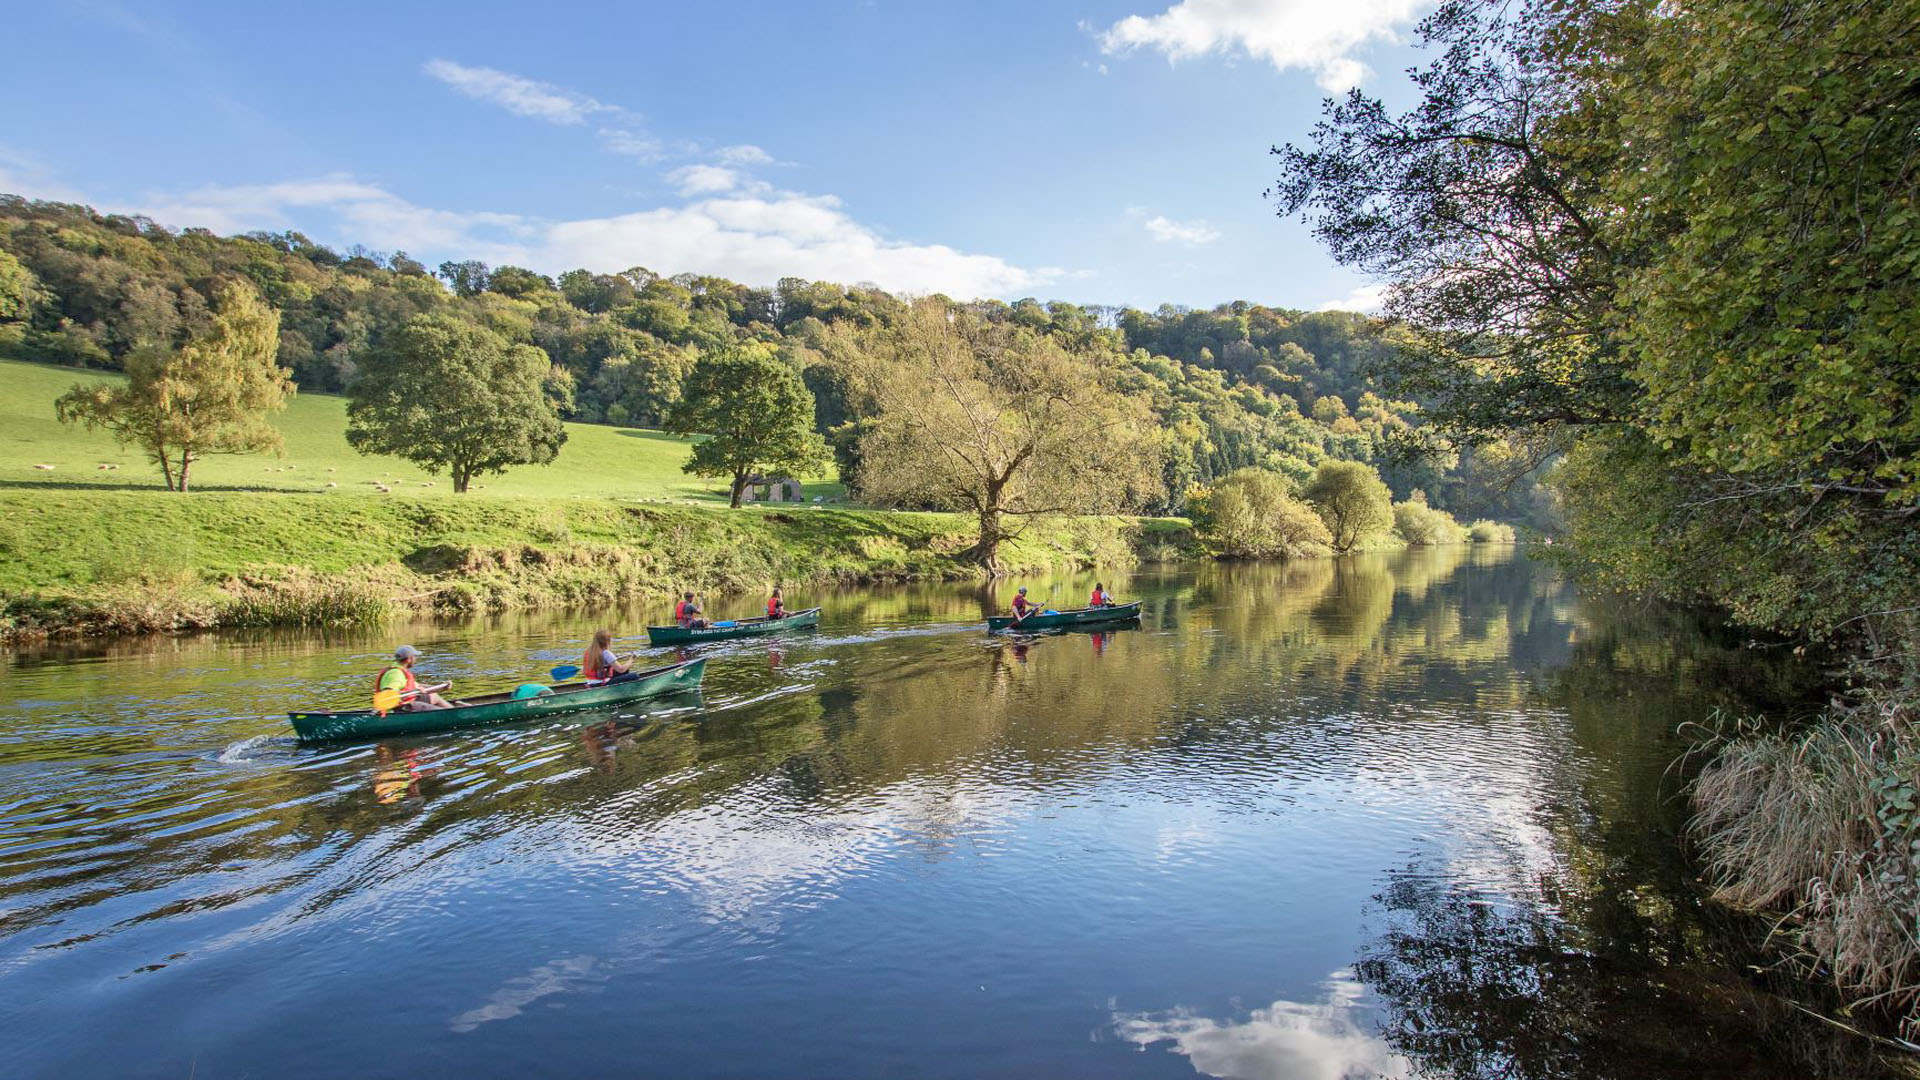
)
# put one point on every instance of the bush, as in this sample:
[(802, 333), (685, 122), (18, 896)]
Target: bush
[(1418, 523), (1490, 532), (1252, 514)]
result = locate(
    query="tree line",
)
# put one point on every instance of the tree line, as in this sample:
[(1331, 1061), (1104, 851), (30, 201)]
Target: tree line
[(1003, 411)]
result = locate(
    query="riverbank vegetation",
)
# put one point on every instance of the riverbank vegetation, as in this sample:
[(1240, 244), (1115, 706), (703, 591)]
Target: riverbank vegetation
[(1679, 245), (92, 562)]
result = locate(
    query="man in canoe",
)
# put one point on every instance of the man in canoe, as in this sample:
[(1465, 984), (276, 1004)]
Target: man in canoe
[(398, 677), (600, 667), (1022, 607), (776, 607), (687, 614), (1099, 597)]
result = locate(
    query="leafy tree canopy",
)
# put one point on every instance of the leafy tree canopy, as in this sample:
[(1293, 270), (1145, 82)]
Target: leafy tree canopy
[(756, 414)]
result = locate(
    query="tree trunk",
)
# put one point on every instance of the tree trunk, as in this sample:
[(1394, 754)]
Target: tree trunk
[(986, 551), (739, 485), (461, 477), (186, 462), (166, 467)]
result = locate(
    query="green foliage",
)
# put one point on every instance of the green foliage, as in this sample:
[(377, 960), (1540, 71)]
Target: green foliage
[(212, 395), (1420, 524), (1350, 497), (1490, 532), (451, 396), (20, 292), (1252, 514), (756, 415)]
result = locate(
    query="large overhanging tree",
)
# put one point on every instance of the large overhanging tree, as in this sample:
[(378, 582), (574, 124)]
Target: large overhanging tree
[(211, 395), (1002, 423), (1680, 239)]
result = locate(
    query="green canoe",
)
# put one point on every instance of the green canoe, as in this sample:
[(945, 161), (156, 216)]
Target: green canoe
[(675, 635), (496, 708), (1086, 616)]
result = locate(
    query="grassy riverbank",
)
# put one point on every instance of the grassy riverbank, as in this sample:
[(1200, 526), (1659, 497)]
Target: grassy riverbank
[(86, 562)]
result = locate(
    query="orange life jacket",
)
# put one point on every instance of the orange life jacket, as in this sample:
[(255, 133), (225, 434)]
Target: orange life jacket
[(680, 612), (407, 694)]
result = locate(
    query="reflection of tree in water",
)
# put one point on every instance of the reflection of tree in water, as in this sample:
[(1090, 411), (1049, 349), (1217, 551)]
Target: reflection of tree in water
[(1475, 988)]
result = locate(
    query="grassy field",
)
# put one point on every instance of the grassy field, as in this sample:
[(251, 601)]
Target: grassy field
[(597, 462)]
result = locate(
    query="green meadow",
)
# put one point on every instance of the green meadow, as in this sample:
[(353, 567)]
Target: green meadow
[(597, 462)]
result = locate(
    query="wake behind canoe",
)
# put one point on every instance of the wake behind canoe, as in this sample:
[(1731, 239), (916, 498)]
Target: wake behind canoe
[(1075, 617), (680, 635), (497, 708)]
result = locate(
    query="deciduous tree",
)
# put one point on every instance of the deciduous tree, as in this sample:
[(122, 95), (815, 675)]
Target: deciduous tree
[(1352, 500), (756, 414), (452, 396), (1002, 423), (211, 395)]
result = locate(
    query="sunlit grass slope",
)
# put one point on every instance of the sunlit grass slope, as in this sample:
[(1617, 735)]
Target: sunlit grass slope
[(597, 461)]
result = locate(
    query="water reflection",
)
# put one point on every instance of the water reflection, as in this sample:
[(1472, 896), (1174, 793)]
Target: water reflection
[(1333, 1039), (899, 844)]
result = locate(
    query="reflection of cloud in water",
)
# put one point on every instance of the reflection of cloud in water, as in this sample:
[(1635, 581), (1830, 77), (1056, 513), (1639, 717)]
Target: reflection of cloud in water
[(508, 1001), (1284, 1041)]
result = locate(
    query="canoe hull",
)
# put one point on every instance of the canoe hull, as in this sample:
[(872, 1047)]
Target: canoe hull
[(674, 635), (497, 709), (1077, 617)]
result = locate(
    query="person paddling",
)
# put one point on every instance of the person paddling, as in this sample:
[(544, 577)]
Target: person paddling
[(776, 607), (398, 677), (1022, 607), (687, 614), (1099, 597), (600, 666)]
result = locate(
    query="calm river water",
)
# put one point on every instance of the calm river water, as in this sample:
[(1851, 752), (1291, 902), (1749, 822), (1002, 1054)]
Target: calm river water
[(1399, 815)]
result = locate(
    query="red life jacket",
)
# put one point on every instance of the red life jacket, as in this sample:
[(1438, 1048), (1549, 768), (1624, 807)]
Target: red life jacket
[(407, 694), (680, 613), (595, 669), (1021, 603), (1098, 599), (773, 607)]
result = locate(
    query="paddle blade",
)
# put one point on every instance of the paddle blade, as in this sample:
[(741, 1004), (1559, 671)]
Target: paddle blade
[(564, 672), (385, 700)]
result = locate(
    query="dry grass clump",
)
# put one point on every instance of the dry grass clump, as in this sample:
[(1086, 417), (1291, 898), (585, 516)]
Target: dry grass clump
[(1821, 826)]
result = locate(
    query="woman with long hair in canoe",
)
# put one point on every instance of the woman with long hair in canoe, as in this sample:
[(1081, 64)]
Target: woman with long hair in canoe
[(600, 666)]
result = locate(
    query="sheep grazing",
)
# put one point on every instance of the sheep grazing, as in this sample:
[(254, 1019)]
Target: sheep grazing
[(332, 484), (44, 468)]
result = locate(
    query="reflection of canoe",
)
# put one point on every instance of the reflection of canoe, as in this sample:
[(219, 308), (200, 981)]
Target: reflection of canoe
[(496, 708), (1087, 616), (674, 635)]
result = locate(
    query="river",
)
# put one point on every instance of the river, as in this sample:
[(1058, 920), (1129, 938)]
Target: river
[(1402, 815)]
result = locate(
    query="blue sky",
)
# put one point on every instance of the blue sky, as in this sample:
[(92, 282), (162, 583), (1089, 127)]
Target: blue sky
[(1105, 151)]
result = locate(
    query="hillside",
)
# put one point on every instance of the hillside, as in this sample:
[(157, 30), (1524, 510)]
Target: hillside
[(598, 461)]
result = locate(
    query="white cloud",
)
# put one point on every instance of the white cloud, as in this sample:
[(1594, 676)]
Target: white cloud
[(516, 94), (751, 234), (1366, 298), (1312, 35), (635, 144), (704, 179), (744, 154), (1190, 233), (760, 239)]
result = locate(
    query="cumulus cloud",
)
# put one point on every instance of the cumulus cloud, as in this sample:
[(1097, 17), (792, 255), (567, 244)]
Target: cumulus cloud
[(1310, 35), (1366, 298), (744, 154), (704, 179), (517, 94), (749, 233), (1190, 233)]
